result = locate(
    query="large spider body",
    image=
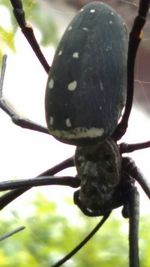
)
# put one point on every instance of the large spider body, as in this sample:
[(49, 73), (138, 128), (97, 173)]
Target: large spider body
[(89, 83), (97, 36)]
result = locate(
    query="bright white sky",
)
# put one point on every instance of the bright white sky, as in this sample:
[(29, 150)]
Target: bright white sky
[(25, 154)]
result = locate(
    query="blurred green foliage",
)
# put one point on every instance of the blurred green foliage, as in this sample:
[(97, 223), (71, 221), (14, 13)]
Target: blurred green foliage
[(49, 236), (35, 16)]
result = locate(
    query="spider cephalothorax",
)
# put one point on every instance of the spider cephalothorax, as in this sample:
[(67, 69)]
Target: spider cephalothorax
[(99, 168)]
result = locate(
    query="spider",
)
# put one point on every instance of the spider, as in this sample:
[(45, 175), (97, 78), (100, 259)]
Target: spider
[(105, 178)]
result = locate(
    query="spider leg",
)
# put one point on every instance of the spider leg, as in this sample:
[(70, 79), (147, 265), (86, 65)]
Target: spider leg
[(28, 32), (134, 41), (13, 194), (133, 227), (83, 242), (134, 171), (128, 148), (8, 109), (133, 207), (40, 181), (131, 211)]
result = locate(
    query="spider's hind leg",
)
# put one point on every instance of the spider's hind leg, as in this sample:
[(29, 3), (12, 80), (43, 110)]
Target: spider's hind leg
[(28, 32), (131, 208), (131, 211), (134, 228), (134, 171)]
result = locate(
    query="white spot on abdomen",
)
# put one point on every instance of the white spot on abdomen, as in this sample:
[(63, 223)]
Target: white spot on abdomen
[(60, 52), (51, 120), (75, 55), (101, 86), (72, 86), (51, 83), (92, 11), (69, 28), (77, 133), (68, 123), (85, 29)]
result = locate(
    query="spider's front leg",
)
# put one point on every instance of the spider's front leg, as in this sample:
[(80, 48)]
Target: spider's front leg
[(135, 38), (28, 32)]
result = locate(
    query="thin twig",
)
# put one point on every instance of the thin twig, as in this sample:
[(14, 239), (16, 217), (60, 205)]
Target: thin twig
[(12, 233)]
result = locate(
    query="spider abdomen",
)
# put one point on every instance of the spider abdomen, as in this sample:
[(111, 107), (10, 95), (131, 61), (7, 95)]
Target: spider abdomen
[(86, 88)]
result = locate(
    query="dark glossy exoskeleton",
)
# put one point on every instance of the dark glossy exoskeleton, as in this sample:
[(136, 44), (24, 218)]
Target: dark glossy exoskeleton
[(87, 84)]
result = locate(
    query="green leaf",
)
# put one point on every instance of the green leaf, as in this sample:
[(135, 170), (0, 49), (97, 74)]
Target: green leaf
[(49, 236)]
